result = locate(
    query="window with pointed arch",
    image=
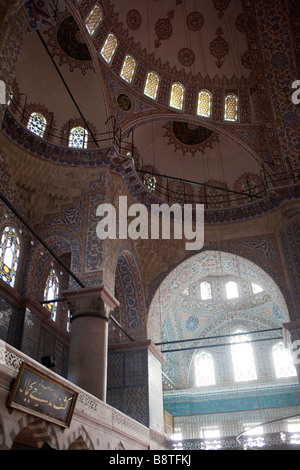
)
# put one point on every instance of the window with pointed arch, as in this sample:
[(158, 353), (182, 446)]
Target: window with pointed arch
[(204, 369), (204, 104), (151, 86), (283, 361), (232, 291), (37, 124), (177, 96), (205, 291), (109, 48), (128, 68), (242, 357), (51, 293), (93, 19), (78, 138), (231, 108), (9, 255)]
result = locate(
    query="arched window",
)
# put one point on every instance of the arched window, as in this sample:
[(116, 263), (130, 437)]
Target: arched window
[(93, 19), (9, 255), (128, 68), (205, 291), (109, 47), (242, 357), (151, 86), (177, 95), (78, 138), (283, 361), (231, 108), (232, 290), (51, 293), (37, 124), (204, 369), (204, 104)]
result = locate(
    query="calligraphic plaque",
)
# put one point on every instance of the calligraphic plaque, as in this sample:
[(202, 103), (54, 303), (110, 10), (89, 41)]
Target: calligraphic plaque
[(36, 393)]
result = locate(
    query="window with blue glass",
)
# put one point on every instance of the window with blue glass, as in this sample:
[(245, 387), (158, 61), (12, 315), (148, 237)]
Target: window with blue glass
[(9, 255), (51, 293)]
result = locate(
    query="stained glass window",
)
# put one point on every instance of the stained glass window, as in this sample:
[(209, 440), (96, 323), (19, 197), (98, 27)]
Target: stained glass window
[(78, 138), (9, 255), (242, 357), (128, 68), (151, 86), (283, 361), (93, 19), (109, 48), (204, 104), (231, 108), (177, 95), (149, 182), (204, 369), (232, 290), (69, 321), (205, 291), (37, 124), (51, 293)]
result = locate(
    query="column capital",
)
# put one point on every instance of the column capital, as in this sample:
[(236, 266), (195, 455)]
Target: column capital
[(95, 300)]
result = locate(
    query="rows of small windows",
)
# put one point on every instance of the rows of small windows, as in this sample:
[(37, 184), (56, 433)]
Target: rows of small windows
[(204, 103), (250, 429), (78, 136), (10, 250), (243, 362), (231, 290)]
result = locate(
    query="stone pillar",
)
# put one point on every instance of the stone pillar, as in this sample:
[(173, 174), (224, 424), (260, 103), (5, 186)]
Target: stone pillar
[(291, 332), (90, 310), (135, 382)]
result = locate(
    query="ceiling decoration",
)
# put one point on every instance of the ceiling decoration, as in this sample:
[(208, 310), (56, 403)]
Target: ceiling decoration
[(189, 138), (134, 20), (221, 6), (163, 28), (124, 102), (186, 57), (219, 47), (195, 21), (67, 42), (240, 23)]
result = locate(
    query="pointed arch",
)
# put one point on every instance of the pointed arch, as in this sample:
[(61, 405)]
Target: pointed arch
[(177, 96), (151, 85), (37, 124), (204, 369), (128, 69), (242, 357), (51, 292), (10, 249), (204, 104), (129, 290), (109, 48), (78, 138), (93, 20), (231, 108), (283, 361)]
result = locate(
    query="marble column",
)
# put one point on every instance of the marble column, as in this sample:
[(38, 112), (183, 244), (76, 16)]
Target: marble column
[(90, 310)]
